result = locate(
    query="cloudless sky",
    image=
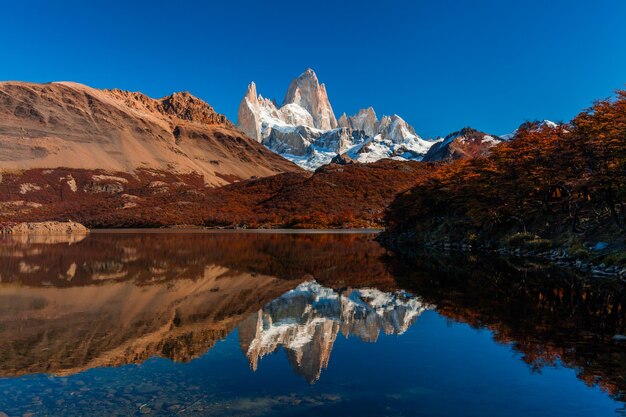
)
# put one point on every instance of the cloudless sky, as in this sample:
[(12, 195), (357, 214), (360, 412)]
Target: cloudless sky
[(440, 64)]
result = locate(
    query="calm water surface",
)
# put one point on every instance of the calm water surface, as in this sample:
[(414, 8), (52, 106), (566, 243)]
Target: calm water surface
[(247, 324)]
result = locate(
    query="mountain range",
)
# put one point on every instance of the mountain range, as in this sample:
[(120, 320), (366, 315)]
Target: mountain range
[(304, 130), (114, 158)]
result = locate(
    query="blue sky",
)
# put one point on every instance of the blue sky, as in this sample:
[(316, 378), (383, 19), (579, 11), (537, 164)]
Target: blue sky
[(441, 65)]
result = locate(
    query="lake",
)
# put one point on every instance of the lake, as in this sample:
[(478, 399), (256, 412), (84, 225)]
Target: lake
[(183, 323)]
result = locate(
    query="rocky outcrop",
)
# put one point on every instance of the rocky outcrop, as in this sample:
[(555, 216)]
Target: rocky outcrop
[(396, 129), (181, 105), (290, 141), (44, 228), (466, 143), (365, 120), (343, 159), (341, 139)]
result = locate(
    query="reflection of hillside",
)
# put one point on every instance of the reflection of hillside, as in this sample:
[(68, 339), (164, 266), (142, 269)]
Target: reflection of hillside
[(67, 330), (337, 260), (546, 314), (306, 321), (114, 299)]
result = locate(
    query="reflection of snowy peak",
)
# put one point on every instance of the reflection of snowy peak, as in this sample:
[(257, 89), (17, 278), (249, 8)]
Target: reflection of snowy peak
[(304, 128), (306, 321)]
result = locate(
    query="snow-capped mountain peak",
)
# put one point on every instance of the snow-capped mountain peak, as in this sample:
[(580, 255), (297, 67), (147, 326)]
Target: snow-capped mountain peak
[(304, 129), (539, 124), (306, 92)]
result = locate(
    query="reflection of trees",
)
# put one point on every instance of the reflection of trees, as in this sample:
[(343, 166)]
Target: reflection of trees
[(546, 314)]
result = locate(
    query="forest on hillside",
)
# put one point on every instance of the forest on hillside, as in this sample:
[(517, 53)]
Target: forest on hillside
[(335, 196), (563, 185)]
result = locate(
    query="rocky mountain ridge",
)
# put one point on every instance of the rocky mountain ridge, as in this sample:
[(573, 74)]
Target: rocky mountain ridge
[(466, 143), (70, 125), (304, 129), (181, 105)]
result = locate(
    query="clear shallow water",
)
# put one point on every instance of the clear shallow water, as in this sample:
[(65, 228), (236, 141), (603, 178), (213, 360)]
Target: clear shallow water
[(264, 324)]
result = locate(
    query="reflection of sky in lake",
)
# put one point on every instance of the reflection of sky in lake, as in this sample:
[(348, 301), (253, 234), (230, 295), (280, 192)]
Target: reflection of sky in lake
[(235, 342)]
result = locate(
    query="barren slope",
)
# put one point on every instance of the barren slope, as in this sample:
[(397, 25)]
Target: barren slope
[(74, 126)]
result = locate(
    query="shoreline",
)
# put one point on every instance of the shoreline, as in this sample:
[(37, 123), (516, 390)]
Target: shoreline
[(559, 257), (228, 231)]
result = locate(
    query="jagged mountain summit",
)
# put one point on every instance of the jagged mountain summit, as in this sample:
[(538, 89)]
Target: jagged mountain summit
[(306, 92), (304, 128)]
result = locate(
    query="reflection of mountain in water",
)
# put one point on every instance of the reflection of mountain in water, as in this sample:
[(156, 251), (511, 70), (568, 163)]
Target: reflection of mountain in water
[(306, 322), (113, 299), (67, 330)]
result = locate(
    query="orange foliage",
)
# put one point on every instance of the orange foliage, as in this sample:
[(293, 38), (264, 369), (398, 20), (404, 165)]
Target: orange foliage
[(548, 181), (332, 197)]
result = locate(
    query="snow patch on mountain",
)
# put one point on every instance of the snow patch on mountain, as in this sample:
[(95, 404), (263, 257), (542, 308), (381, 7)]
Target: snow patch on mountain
[(539, 124)]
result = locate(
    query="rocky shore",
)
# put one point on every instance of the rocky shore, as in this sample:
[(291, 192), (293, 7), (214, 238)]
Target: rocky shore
[(44, 228), (563, 258), (596, 259)]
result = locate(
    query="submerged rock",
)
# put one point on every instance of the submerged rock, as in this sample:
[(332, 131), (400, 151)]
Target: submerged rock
[(600, 246)]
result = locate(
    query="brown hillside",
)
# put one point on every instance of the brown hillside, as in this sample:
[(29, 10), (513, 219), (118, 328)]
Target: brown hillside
[(69, 125), (334, 196)]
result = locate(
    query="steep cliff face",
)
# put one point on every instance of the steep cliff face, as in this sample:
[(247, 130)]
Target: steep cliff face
[(306, 92), (365, 120), (304, 128), (70, 125)]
